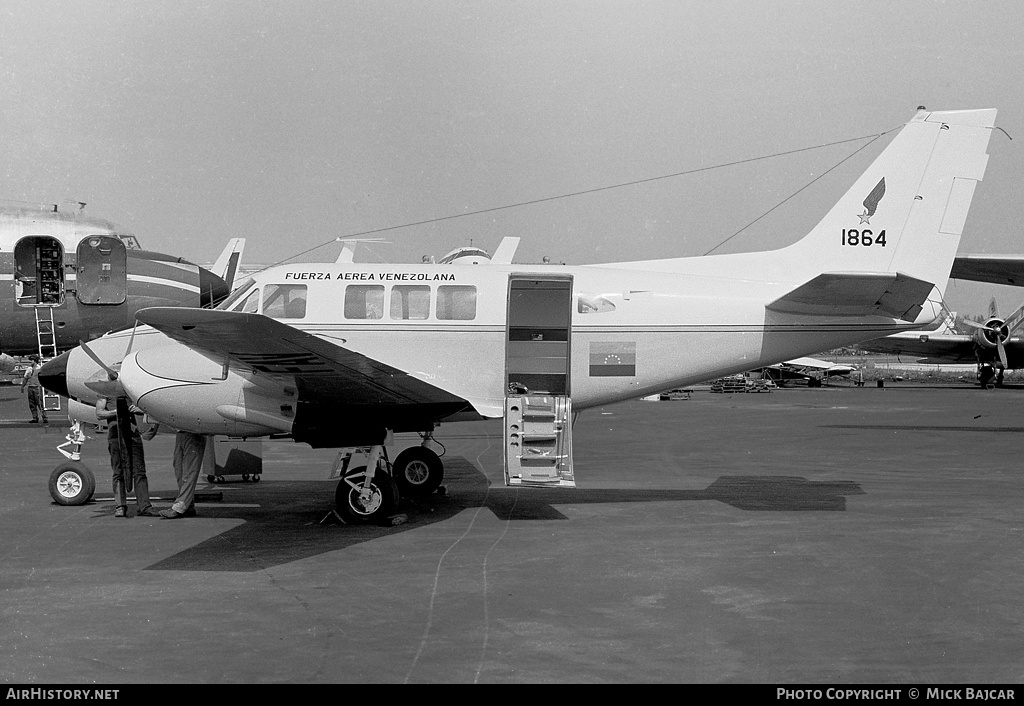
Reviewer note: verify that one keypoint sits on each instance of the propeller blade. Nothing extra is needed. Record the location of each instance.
(974, 324)
(124, 438)
(96, 359)
(1002, 355)
(101, 384)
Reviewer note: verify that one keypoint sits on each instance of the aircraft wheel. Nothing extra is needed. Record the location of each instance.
(245, 477)
(256, 479)
(72, 483)
(211, 479)
(381, 503)
(418, 471)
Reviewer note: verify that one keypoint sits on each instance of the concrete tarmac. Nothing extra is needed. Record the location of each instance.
(832, 536)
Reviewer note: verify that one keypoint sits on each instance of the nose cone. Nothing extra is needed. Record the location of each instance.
(54, 375)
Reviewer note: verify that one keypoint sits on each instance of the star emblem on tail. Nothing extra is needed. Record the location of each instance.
(871, 202)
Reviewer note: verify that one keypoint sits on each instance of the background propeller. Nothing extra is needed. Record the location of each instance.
(997, 331)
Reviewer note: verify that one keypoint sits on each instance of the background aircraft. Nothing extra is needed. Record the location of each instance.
(812, 371)
(66, 277)
(992, 347)
(342, 354)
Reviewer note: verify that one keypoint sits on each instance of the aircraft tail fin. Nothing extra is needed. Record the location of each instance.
(226, 266)
(348, 248)
(906, 212)
(506, 251)
(348, 253)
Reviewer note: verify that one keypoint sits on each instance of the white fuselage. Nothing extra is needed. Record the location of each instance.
(675, 329)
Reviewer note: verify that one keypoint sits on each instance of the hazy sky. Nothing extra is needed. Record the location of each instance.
(290, 123)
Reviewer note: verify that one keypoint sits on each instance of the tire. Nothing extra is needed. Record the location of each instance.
(418, 472)
(71, 483)
(383, 497)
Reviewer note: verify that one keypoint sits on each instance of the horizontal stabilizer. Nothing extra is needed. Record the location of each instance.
(895, 295)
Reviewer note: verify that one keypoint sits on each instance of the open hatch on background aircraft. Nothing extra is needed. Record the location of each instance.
(67, 277)
(343, 354)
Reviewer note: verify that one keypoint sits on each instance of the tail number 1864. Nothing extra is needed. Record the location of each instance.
(853, 236)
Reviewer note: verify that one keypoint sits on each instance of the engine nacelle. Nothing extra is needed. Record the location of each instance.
(190, 391)
(84, 413)
(994, 333)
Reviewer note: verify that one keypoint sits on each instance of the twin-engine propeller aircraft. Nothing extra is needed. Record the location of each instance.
(342, 354)
(993, 347)
(67, 277)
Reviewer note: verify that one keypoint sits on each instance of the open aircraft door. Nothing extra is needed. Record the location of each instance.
(39, 271)
(102, 270)
(538, 406)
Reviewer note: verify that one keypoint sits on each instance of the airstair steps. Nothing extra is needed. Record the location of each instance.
(538, 441)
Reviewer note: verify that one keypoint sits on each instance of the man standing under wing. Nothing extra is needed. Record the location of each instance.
(189, 451)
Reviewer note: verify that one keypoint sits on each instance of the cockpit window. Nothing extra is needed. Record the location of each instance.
(284, 301)
(240, 292)
(251, 304)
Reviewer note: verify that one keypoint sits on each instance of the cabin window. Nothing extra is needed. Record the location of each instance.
(364, 301)
(593, 304)
(410, 301)
(456, 302)
(284, 301)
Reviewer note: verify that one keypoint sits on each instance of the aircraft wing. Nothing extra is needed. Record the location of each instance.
(812, 363)
(997, 269)
(891, 294)
(324, 372)
(817, 364)
(936, 348)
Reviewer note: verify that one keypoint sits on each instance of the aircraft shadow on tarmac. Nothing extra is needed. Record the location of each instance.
(286, 526)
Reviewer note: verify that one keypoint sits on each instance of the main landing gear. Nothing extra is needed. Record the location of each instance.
(365, 496)
(990, 376)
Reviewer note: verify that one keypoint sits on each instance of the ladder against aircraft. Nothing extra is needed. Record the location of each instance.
(47, 339)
